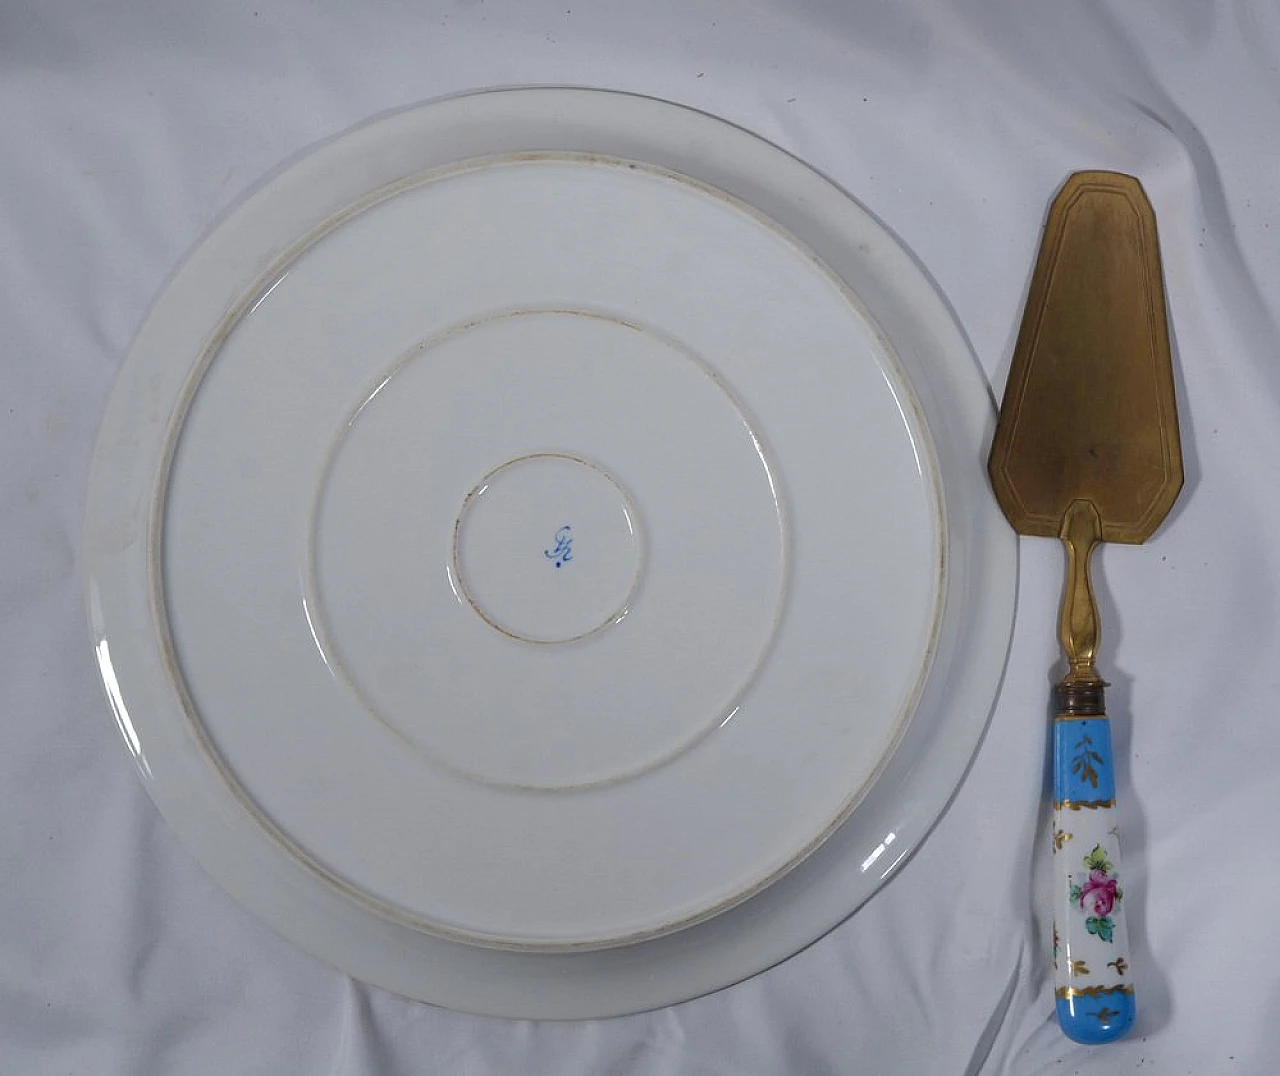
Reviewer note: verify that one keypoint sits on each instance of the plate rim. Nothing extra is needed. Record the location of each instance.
(114, 563)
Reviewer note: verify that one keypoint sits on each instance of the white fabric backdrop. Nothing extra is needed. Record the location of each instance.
(126, 128)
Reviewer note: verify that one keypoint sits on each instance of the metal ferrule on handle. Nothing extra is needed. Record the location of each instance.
(1093, 988)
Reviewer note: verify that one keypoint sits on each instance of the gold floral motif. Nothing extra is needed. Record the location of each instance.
(1086, 761)
(1060, 837)
(1120, 964)
(1078, 967)
(1076, 805)
(1104, 1014)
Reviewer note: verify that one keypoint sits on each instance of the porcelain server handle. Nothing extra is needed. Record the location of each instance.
(1092, 976)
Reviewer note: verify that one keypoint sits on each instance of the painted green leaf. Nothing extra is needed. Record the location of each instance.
(1075, 894)
(1097, 860)
(1101, 926)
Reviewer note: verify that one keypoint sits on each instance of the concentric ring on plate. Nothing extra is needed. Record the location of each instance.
(312, 508)
(547, 549)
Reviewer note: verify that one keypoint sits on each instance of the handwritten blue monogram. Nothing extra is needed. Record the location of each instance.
(563, 550)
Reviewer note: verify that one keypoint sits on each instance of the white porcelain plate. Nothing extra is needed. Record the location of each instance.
(538, 554)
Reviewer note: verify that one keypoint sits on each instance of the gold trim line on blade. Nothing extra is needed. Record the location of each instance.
(1068, 992)
(1076, 805)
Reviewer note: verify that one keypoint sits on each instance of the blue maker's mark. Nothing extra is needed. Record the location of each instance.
(563, 550)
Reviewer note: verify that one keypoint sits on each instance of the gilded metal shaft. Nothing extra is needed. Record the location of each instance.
(1078, 629)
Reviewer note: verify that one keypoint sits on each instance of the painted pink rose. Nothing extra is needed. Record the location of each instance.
(1098, 893)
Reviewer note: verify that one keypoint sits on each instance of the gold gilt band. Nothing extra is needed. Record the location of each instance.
(1078, 805)
(1065, 992)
